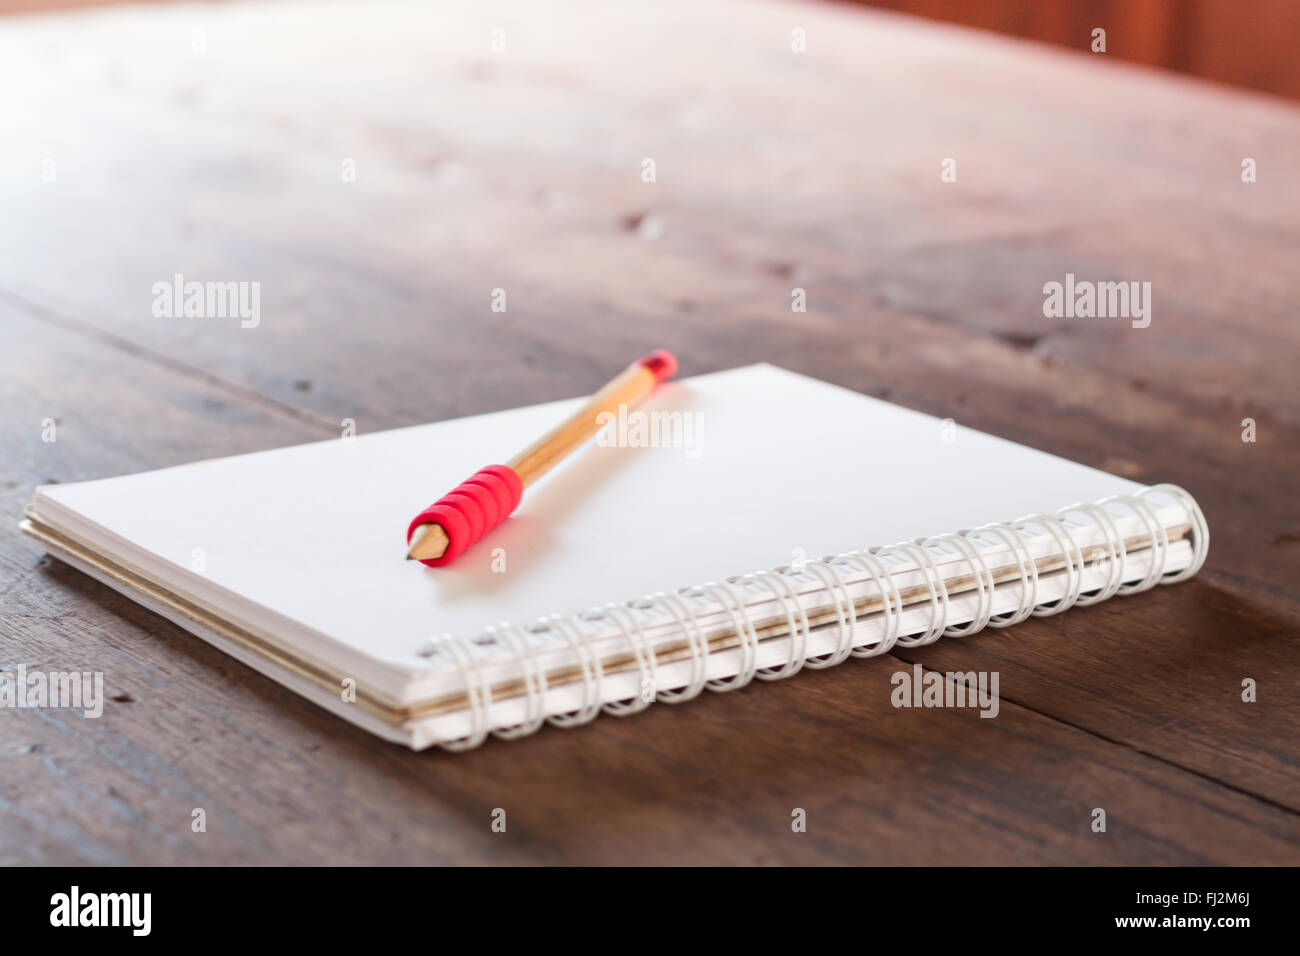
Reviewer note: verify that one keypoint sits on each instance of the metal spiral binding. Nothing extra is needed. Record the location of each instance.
(524, 645)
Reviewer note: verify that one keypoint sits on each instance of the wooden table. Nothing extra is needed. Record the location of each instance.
(215, 141)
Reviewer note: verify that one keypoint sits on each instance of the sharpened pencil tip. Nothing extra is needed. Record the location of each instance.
(429, 543)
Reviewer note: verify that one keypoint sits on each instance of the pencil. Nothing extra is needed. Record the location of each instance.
(441, 532)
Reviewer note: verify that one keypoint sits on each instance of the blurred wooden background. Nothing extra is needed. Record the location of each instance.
(1248, 44)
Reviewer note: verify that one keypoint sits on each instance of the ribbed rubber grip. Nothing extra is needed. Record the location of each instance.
(472, 509)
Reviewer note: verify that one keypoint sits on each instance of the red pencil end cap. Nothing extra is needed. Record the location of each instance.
(662, 363)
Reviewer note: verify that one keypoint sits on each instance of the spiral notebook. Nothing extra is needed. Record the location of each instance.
(715, 537)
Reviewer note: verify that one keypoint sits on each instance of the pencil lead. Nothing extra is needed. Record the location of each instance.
(429, 543)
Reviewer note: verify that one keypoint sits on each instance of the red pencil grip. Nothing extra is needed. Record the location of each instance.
(472, 509)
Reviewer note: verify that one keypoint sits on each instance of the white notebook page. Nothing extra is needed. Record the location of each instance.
(307, 543)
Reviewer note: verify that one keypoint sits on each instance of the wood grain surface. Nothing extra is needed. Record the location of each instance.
(213, 141)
